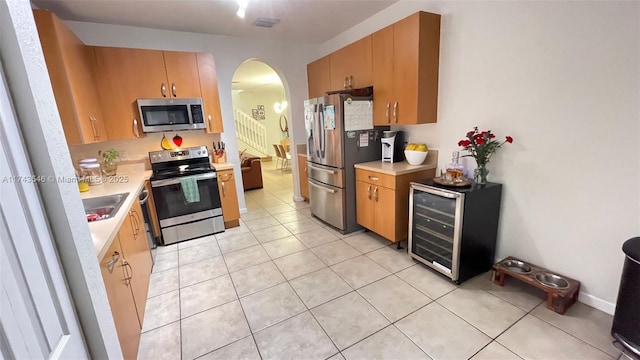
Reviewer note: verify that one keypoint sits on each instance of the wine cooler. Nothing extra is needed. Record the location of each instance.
(453, 229)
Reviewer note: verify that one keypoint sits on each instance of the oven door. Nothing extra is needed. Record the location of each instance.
(172, 207)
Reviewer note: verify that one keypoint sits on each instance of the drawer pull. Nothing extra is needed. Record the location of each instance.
(369, 192)
(163, 90)
(332, 172)
(331, 191)
(375, 194)
(224, 190)
(373, 178)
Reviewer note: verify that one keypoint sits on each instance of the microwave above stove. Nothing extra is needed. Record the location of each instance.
(159, 115)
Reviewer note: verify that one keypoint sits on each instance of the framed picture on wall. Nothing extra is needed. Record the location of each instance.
(254, 113)
(261, 115)
(261, 107)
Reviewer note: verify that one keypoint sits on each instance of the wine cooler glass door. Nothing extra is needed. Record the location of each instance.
(434, 237)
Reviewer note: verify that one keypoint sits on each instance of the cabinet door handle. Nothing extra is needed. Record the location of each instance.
(209, 119)
(173, 89)
(350, 81)
(373, 178)
(224, 190)
(387, 114)
(369, 192)
(95, 121)
(93, 128)
(375, 194)
(395, 112)
(163, 90)
(114, 259)
(136, 132)
(138, 222)
(132, 221)
(344, 83)
(127, 279)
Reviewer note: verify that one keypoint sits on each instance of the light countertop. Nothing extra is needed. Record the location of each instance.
(400, 168)
(104, 231)
(222, 166)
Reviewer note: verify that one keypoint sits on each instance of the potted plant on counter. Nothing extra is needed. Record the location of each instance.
(110, 165)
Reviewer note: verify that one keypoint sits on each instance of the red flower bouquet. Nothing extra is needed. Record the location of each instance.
(482, 145)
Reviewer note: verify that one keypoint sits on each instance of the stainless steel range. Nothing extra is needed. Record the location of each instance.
(185, 191)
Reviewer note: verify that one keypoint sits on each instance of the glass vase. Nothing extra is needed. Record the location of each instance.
(480, 174)
(109, 168)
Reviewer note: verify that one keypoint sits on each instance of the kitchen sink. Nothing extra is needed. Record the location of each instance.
(103, 207)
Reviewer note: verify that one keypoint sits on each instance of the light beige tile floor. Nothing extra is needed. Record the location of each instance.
(285, 286)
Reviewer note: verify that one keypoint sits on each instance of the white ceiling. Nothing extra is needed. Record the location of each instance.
(313, 21)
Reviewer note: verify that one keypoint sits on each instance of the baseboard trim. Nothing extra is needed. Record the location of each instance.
(597, 303)
(243, 211)
(298, 198)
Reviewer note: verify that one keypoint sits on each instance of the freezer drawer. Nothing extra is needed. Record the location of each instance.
(327, 203)
(326, 174)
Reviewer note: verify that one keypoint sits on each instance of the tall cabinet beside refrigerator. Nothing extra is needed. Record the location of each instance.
(340, 133)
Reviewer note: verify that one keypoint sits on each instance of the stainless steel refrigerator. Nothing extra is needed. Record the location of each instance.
(340, 133)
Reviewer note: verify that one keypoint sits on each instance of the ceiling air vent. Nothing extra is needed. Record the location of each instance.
(265, 22)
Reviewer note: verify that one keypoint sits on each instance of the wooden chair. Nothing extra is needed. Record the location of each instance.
(279, 156)
(286, 157)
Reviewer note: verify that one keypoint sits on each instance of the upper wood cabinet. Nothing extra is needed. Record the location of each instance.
(125, 76)
(130, 74)
(209, 90)
(405, 71)
(71, 68)
(318, 77)
(351, 67)
(182, 74)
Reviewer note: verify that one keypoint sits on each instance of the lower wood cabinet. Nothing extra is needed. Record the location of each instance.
(229, 198)
(382, 201)
(123, 307)
(126, 269)
(303, 174)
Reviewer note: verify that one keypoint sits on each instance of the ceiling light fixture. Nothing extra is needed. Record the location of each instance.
(242, 8)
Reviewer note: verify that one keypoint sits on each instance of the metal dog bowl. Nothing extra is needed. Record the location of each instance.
(517, 266)
(552, 280)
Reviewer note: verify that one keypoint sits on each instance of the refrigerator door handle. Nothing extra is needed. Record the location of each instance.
(332, 172)
(316, 132)
(322, 131)
(331, 191)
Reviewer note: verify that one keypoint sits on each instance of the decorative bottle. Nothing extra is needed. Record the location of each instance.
(455, 170)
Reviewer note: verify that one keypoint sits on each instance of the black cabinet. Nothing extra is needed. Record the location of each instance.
(454, 230)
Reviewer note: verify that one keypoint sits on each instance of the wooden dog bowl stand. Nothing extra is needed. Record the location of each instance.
(558, 300)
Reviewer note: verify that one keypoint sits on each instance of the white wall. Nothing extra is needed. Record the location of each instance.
(30, 87)
(562, 78)
(247, 100)
(288, 59)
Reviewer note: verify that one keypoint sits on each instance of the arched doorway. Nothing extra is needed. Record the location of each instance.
(261, 116)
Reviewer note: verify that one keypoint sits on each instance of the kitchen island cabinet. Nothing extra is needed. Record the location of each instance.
(382, 195)
(229, 198)
(209, 92)
(405, 71)
(71, 67)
